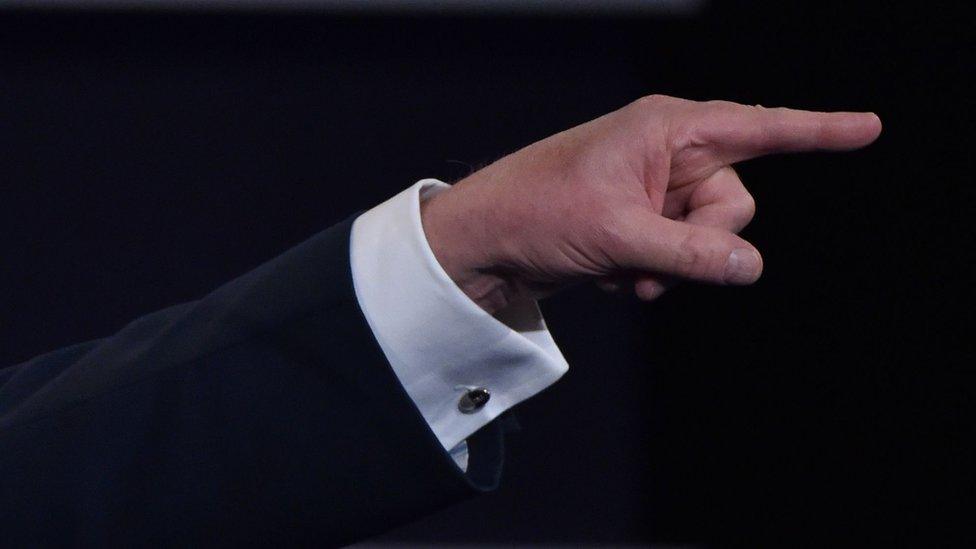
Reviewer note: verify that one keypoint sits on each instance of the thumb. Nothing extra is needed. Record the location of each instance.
(693, 252)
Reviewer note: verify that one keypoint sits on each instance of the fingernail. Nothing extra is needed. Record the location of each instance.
(743, 266)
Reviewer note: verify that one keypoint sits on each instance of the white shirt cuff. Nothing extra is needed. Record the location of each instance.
(438, 341)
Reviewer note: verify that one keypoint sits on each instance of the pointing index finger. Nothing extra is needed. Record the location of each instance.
(740, 132)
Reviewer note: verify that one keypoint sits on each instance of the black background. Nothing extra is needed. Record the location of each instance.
(146, 158)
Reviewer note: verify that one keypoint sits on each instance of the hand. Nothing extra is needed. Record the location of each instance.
(644, 194)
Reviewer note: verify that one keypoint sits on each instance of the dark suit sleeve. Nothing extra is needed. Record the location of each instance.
(264, 413)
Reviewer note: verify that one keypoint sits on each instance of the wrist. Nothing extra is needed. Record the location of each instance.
(460, 236)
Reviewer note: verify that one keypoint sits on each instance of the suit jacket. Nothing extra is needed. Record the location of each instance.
(264, 413)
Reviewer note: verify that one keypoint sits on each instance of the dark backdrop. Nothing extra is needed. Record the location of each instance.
(145, 158)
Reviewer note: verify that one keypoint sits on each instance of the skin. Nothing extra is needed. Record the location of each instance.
(639, 198)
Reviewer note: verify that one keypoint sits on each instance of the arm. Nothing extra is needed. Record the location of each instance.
(268, 411)
(263, 413)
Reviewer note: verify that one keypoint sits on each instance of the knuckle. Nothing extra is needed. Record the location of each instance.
(700, 256)
(721, 105)
(691, 260)
(744, 209)
(654, 101)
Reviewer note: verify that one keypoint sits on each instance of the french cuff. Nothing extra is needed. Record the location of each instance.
(445, 349)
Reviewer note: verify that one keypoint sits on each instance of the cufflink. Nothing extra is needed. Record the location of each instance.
(473, 400)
